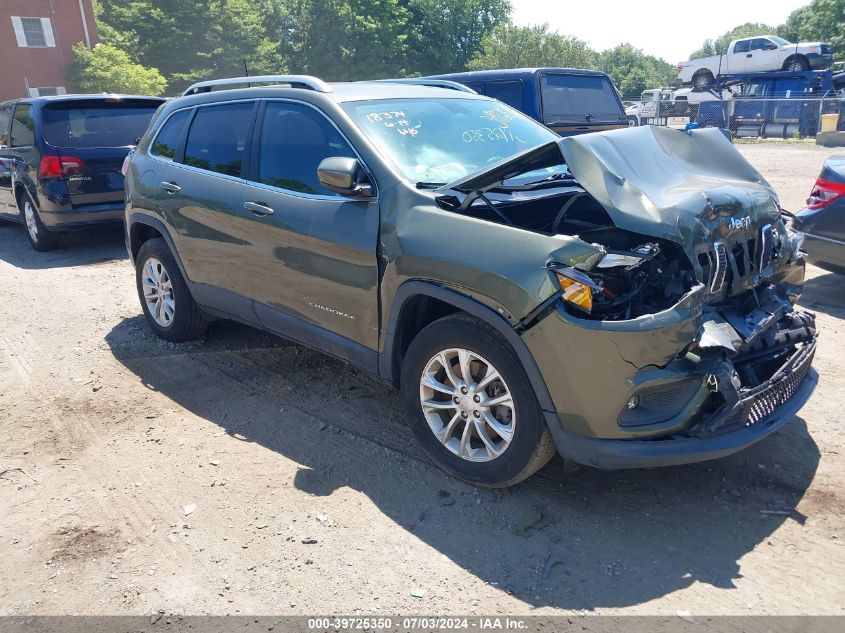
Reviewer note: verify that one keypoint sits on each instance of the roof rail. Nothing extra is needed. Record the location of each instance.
(295, 81)
(432, 83)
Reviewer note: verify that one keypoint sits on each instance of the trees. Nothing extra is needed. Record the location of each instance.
(108, 69)
(348, 39)
(633, 71)
(719, 45)
(821, 20)
(509, 46)
(444, 35)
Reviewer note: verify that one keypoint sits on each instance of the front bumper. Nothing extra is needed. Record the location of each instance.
(755, 416)
(617, 454)
(698, 395)
(819, 61)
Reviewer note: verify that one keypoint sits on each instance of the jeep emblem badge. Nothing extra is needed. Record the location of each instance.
(740, 223)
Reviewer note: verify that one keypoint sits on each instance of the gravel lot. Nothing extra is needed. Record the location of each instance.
(245, 474)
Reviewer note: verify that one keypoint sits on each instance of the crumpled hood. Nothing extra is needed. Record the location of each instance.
(686, 187)
(680, 186)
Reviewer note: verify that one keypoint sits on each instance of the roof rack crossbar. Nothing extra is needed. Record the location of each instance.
(296, 81)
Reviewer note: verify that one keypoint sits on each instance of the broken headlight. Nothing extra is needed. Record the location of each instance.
(625, 284)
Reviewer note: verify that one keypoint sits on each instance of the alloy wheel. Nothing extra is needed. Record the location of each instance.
(158, 292)
(468, 405)
(31, 222)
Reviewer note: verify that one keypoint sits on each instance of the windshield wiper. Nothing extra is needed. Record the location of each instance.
(554, 177)
(429, 185)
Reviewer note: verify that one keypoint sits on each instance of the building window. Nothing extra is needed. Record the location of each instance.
(33, 32)
(47, 92)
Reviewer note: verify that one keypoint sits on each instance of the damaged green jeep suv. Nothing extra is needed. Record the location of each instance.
(624, 297)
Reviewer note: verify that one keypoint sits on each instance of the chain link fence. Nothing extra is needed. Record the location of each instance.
(747, 117)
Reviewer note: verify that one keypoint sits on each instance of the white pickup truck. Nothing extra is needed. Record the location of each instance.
(764, 53)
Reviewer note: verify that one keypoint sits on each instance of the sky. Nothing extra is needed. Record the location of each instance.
(675, 30)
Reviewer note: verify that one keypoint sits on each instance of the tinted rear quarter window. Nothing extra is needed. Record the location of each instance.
(88, 125)
(573, 97)
(167, 140)
(509, 92)
(217, 138)
(23, 127)
(742, 47)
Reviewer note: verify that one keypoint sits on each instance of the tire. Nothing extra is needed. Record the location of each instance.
(524, 445)
(171, 311)
(797, 65)
(702, 82)
(40, 237)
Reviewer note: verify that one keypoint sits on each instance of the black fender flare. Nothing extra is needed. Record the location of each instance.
(136, 217)
(469, 305)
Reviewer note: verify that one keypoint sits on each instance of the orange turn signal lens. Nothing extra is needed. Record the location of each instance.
(575, 292)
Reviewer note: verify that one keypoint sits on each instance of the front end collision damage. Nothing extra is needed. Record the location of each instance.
(716, 357)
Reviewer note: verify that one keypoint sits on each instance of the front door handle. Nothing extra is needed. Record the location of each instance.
(749, 55)
(171, 187)
(258, 208)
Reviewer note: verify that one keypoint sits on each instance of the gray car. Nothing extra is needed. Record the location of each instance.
(625, 298)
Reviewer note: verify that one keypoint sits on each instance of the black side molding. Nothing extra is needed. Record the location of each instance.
(414, 288)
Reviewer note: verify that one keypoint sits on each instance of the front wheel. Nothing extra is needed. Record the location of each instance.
(167, 303)
(797, 65)
(471, 405)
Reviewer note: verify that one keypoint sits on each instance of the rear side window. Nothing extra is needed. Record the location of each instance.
(509, 92)
(167, 140)
(5, 115)
(23, 127)
(217, 138)
(294, 139)
(86, 125)
(574, 97)
(742, 47)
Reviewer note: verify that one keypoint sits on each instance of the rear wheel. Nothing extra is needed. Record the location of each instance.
(167, 303)
(471, 406)
(702, 81)
(40, 238)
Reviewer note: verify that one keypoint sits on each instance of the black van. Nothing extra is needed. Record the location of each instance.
(61, 159)
(566, 100)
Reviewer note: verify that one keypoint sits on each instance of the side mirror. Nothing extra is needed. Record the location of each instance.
(771, 46)
(340, 174)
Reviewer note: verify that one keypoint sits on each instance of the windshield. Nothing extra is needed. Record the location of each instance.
(436, 141)
(87, 125)
(578, 98)
(779, 40)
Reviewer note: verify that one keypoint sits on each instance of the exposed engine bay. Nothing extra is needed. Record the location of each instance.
(691, 213)
(636, 275)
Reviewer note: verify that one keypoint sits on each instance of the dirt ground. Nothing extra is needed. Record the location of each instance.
(245, 474)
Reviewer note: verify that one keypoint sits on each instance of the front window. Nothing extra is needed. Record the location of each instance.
(436, 141)
(779, 40)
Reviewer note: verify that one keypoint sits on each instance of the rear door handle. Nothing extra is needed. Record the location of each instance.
(258, 208)
(171, 187)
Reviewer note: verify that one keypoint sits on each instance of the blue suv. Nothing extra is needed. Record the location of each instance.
(566, 100)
